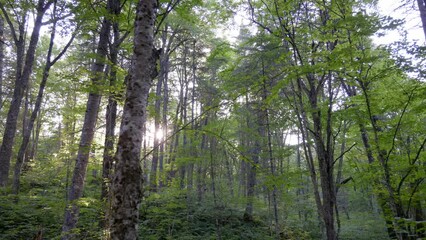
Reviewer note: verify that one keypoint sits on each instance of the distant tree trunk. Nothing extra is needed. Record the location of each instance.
(160, 117)
(201, 170)
(21, 83)
(242, 186)
(213, 149)
(422, 9)
(30, 125)
(174, 143)
(88, 130)
(183, 111)
(36, 137)
(263, 120)
(163, 148)
(157, 118)
(164, 74)
(193, 151)
(127, 182)
(253, 149)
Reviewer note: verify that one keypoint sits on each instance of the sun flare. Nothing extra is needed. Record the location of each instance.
(159, 134)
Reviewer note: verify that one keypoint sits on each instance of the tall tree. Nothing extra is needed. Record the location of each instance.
(111, 110)
(127, 182)
(23, 73)
(30, 125)
(92, 107)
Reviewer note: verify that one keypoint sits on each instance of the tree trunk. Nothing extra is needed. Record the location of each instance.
(155, 150)
(126, 186)
(30, 125)
(21, 84)
(164, 73)
(422, 9)
(253, 150)
(201, 169)
(88, 130)
(1, 59)
(111, 111)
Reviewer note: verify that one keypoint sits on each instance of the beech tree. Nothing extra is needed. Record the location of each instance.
(127, 181)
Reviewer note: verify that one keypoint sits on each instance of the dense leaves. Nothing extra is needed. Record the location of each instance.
(298, 126)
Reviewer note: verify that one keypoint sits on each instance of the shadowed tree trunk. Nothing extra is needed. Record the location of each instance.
(111, 113)
(1, 59)
(253, 150)
(422, 9)
(127, 182)
(88, 130)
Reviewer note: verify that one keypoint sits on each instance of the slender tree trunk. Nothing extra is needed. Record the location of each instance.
(30, 125)
(183, 111)
(127, 183)
(193, 151)
(155, 150)
(34, 146)
(213, 148)
(110, 118)
(307, 145)
(1, 59)
(88, 130)
(201, 170)
(164, 71)
(422, 9)
(253, 150)
(111, 110)
(339, 172)
(21, 85)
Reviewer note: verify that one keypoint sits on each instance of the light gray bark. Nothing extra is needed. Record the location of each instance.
(127, 182)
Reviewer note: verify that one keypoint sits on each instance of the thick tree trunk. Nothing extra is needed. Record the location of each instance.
(21, 85)
(88, 130)
(127, 182)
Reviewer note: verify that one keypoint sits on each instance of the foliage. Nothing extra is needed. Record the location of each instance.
(170, 215)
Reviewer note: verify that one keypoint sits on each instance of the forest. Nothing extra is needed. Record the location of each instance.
(212, 119)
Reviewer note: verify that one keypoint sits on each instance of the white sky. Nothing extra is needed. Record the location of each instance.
(392, 8)
(412, 21)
